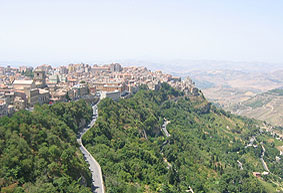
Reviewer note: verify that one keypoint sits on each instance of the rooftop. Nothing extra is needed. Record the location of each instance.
(22, 82)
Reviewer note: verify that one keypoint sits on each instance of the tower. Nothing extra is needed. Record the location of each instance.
(39, 78)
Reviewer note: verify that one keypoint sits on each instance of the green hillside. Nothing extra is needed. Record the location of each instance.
(201, 152)
(278, 91)
(38, 150)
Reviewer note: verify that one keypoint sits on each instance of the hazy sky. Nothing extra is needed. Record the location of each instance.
(64, 31)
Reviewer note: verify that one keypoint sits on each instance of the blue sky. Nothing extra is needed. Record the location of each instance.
(65, 31)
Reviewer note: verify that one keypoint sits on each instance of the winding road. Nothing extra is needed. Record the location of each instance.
(97, 181)
(252, 140)
(164, 129)
(240, 165)
(167, 134)
(262, 160)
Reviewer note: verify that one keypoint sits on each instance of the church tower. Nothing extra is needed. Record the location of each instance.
(39, 78)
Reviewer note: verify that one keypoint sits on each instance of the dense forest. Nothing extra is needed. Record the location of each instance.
(202, 153)
(39, 150)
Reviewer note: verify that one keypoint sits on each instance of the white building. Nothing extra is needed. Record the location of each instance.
(115, 95)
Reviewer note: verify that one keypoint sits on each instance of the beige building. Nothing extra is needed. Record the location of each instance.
(58, 96)
(39, 78)
(113, 95)
(19, 103)
(33, 94)
(43, 97)
(22, 84)
(115, 67)
(110, 87)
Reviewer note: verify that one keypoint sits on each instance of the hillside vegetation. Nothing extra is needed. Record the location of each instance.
(202, 152)
(38, 150)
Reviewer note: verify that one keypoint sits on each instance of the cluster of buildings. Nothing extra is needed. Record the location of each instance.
(23, 87)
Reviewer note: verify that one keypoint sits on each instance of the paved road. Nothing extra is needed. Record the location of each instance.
(190, 190)
(167, 134)
(262, 160)
(97, 181)
(164, 128)
(240, 165)
(252, 140)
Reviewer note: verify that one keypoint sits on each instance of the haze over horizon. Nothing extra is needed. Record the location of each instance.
(62, 32)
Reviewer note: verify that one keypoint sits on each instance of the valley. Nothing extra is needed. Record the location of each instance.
(267, 106)
(252, 94)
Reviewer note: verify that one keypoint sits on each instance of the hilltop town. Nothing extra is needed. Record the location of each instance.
(23, 87)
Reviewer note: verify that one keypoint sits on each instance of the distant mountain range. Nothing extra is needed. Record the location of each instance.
(174, 66)
(185, 67)
(244, 92)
